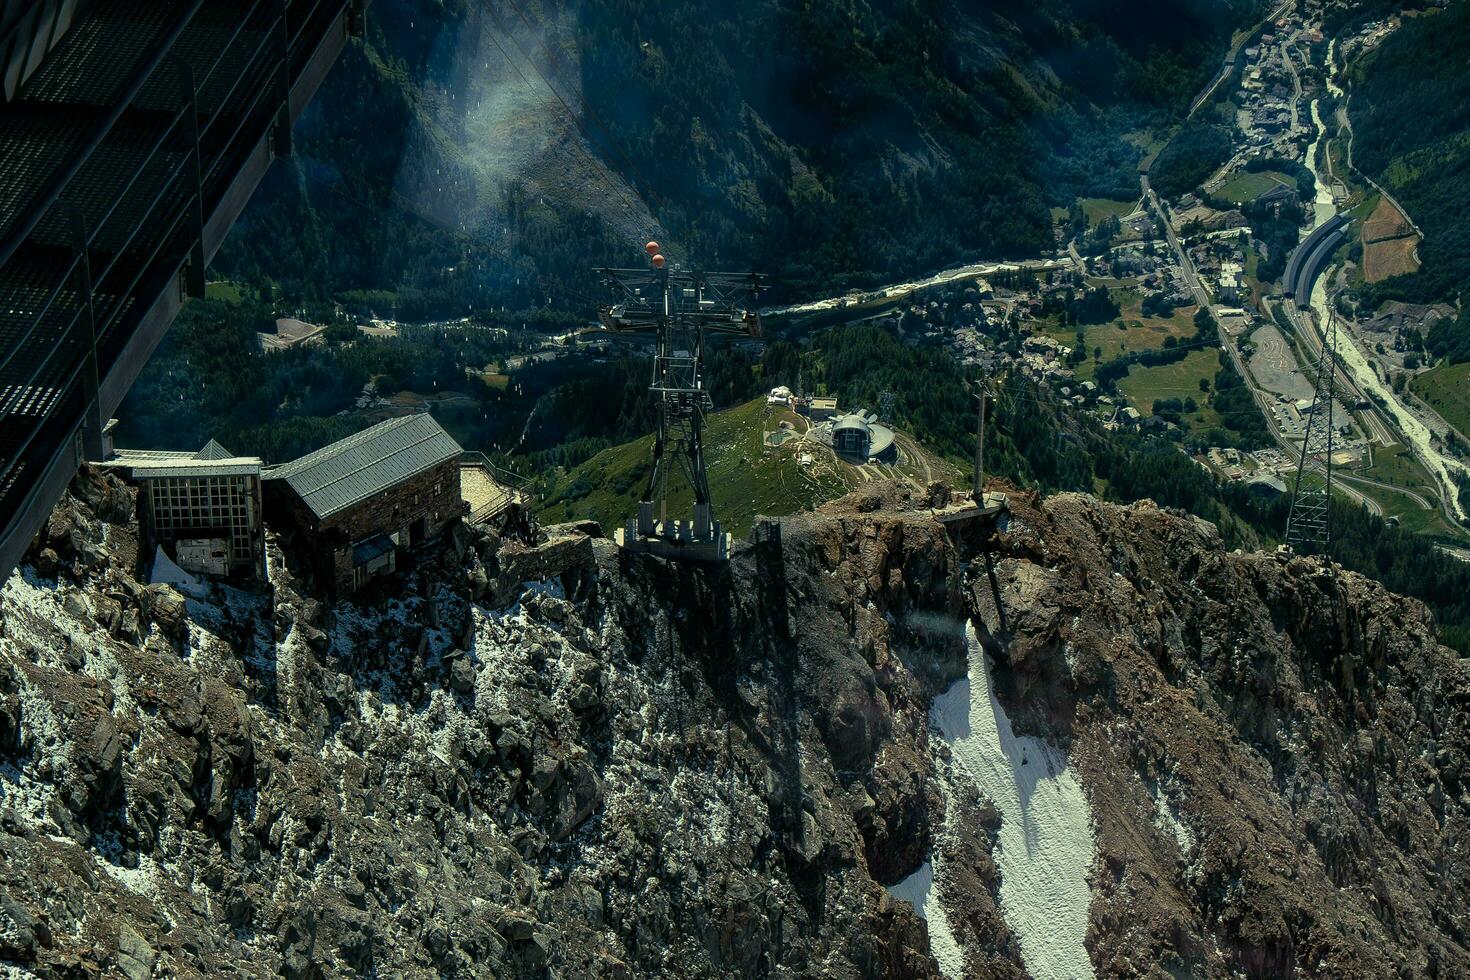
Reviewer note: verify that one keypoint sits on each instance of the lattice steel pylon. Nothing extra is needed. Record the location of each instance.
(1309, 526)
(680, 308)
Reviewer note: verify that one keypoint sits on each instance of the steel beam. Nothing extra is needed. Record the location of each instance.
(168, 290)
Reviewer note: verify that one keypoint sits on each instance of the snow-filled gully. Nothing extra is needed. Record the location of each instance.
(1045, 844)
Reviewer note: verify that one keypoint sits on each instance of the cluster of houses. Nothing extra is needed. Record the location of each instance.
(352, 509)
(1270, 86)
(292, 331)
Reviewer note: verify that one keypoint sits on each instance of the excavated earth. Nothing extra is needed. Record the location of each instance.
(557, 759)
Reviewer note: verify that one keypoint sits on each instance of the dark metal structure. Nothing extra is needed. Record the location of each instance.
(1308, 259)
(1309, 525)
(133, 132)
(680, 308)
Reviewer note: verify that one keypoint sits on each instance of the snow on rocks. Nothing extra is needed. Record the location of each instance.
(1166, 819)
(1045, 845)
(918, 890)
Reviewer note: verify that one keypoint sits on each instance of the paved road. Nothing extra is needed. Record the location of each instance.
(1345, 119)
(886, 294)
(1296, 88)
(1418, 498)
(1340, 483)
(1229, 61)
(1372, 418)
(1263, 400)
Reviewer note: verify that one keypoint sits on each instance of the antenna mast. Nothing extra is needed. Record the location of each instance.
(679, 308)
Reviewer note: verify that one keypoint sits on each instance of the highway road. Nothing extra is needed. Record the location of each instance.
(1418, 498)
(1342, 484)
(1264, 400)
(857, 299)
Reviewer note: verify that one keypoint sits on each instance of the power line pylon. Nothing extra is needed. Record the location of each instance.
(1309, 525)
(679, 308)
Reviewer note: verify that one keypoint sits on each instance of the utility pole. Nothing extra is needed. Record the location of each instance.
(679, 308)
(1309, 525)
(980, 445)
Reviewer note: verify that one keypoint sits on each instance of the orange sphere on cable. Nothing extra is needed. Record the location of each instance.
(658, 261)
(651, 248)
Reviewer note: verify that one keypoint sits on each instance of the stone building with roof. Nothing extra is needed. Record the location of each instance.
(359, 503)
(202, 509)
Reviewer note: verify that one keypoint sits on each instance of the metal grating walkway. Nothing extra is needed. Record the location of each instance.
(132, 133)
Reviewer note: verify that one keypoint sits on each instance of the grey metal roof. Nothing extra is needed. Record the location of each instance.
(213, 450)
(132, 457)
(353, 469)
(152, 469)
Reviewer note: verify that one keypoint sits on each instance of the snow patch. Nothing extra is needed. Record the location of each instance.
(918, 890)
(167, 572)
(141, 880)
(1166, 819)
(1045, 846)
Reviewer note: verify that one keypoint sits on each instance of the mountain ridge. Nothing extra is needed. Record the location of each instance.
(556, 756)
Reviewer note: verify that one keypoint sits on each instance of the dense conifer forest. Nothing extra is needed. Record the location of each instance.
(1409, 113)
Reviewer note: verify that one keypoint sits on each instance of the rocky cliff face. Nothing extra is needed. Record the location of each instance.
(557, 759)
(1274, 749)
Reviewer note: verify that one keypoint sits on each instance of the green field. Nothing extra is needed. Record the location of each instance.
(1245, 187)
(1132, 331)
(226, 290)
(1445, 388)
(1178, 380)
(1399, 468)
(746, 476)
(1148, 143)
(1098, 208)
(1411, 516)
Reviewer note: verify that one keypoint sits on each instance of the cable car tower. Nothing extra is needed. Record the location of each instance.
(1309, 525)
(679, 308)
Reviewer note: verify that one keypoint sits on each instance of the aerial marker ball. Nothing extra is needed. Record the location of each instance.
(658, 261)
(651, 248)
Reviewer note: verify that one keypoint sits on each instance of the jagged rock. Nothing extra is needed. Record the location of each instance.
(678, 770)
(477, 580)
(436, 940)
(462, 676)
(21, 933)
(135, 957)
(584, 698)
(47, 562)
(166, 607)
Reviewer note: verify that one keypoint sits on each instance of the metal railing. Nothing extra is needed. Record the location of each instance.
(519, 489)
(28, 30)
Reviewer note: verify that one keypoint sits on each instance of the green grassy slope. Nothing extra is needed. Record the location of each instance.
(747, 477)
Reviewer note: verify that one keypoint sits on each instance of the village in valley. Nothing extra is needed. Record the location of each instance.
(1191, 315)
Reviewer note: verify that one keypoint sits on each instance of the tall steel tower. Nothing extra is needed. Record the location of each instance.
(679, 308)
(1309, 526)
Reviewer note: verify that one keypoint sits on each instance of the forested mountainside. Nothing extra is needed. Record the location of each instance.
(1410, 110)
(488, 154)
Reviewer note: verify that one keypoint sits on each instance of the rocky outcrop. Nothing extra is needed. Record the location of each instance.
(1273, 747)
(559, 759)
(549, 758)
